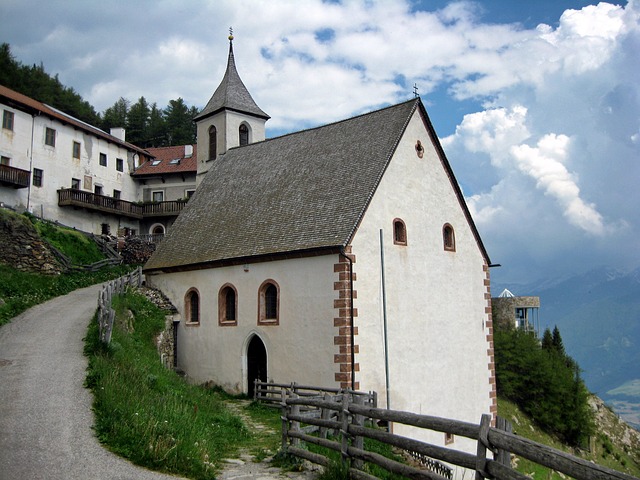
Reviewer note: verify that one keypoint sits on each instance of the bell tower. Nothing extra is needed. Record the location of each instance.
(230, 119)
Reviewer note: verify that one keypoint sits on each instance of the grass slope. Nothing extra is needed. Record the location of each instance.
(147, 413)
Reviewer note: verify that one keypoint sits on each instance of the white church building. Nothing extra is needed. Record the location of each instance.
(326, 255)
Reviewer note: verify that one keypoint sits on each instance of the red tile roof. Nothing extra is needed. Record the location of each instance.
(161, 164)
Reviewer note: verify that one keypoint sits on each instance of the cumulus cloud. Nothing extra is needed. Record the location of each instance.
(551, 134)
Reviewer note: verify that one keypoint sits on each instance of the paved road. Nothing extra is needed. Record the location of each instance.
(45, 412)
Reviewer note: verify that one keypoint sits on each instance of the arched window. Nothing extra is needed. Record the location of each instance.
(192, 306)
(227, 306)
(213, 142)
(244, 135)
(269, 303)
(399, 232)
(449, 238)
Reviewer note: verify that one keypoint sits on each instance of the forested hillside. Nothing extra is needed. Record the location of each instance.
(147, 125)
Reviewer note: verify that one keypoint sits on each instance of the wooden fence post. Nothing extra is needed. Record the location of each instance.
(295, 425)
(483, 444)
(358, 441)
(502, 455)
(283, 416)
(325, 414)
(344, 427)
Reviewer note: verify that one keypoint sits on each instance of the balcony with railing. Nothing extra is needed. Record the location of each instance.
(102, 203)
(14, 177)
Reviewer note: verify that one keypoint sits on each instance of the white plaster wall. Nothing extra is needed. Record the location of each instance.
(435, 299)
(227, 124)
(300, 348)
(59, 167)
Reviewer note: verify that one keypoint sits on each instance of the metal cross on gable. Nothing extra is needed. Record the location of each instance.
(415, 90)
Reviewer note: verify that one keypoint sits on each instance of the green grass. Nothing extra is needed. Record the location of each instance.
(605, 453)
(20, 290)
(147, 413)
(75, 245)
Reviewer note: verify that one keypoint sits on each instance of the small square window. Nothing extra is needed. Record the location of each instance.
(189, 193)
(119, 165)
(50, 137)
(37, 177)
(97, 190)
(7, 120)
(116, 194)
(5, 160)
(103, 159)
(75, 183)
(76, 150)
(157, 196)
(448, 438)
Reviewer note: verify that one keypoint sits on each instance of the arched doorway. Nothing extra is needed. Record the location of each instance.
(256, 363)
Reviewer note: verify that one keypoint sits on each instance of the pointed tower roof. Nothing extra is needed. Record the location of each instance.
(231, 94)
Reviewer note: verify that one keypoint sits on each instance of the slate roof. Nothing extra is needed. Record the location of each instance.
(296, 194)
(165, 156)
(231, 94)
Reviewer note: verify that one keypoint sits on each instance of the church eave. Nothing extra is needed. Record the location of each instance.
(246, 260)
(205, 115)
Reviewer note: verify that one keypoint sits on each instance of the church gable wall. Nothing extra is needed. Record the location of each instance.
(436, 306)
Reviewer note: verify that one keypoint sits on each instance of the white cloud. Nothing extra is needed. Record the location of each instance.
(547, 155)
(544, 163)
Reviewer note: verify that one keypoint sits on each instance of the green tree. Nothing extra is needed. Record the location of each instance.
(180, 126)
(116, 115)
(544, 382)
(157, 131)
(138, 123)
(547, 340)
(558, 345)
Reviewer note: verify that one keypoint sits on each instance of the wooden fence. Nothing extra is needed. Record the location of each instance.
(106, 314)
(355, 421)
(271, 393)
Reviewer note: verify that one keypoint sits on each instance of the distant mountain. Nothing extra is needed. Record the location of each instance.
(598, 314)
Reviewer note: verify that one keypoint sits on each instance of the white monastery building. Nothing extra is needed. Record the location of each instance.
(339, 256)
(60, 168)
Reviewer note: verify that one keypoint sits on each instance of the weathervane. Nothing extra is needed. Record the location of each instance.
(415, 90)
(230, 34)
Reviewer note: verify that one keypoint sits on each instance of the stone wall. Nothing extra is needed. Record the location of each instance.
(22, 247)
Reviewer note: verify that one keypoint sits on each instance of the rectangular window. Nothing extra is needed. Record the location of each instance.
(157, 196)
(97, 190)
(76, 150)
(189, 193)
(50, 137)
(7, 120)
(103, 159)
(37, 177)
(116, 194)
(5, 161)
(119, 165)
(75, 183)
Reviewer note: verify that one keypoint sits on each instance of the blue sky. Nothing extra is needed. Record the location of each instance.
(537, 103)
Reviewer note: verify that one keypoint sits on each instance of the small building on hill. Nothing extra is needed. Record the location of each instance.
(511, 311)
(339, 256)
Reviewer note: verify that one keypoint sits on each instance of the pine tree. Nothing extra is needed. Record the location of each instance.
(179, 123)
(557, 342)
(116, 115)
(138, 123)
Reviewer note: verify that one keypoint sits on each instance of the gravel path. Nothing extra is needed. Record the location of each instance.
(45, 412)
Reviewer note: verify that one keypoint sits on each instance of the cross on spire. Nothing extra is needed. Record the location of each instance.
(415, 90)
(230, 34)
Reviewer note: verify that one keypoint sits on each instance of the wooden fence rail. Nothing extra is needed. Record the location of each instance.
(106, 314)
(351, 421)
